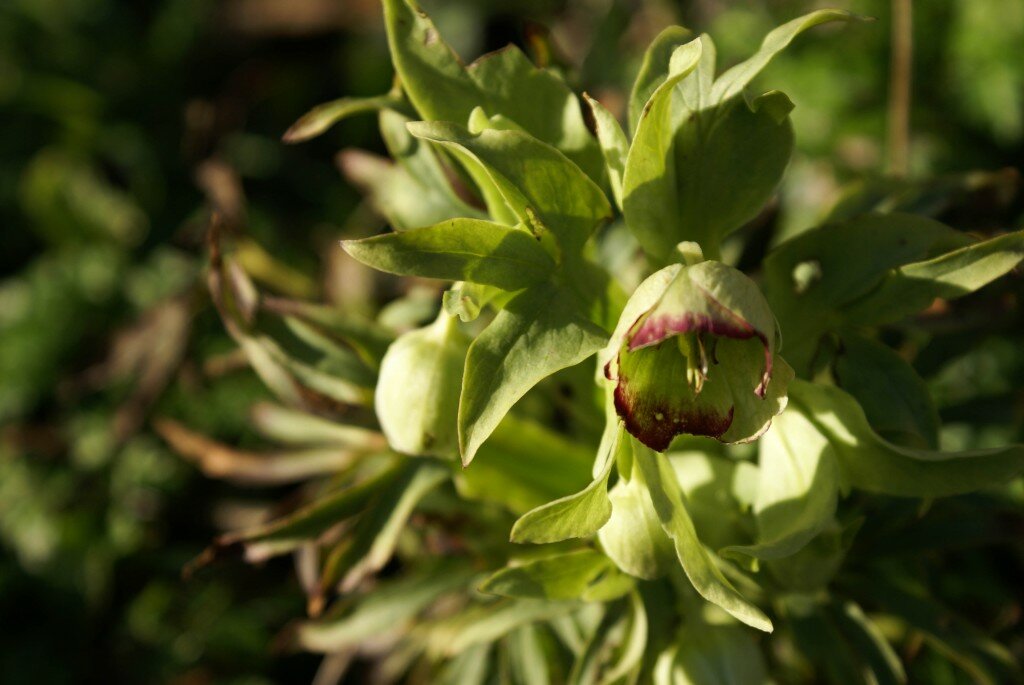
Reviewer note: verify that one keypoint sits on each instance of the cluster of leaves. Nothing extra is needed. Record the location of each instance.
(423, 448)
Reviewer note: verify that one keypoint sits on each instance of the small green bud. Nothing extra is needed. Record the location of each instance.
(417, 396)
(695, 352)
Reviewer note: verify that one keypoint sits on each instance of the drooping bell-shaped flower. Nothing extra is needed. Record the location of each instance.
(695, 352)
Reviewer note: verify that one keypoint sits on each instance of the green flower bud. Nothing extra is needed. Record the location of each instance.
(695, 352)
(417, 396)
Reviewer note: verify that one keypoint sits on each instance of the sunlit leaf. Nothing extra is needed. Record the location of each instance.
(459, 250)
(868, 462)
(538, 333)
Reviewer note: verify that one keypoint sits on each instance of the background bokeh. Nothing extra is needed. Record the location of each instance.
(123, 123)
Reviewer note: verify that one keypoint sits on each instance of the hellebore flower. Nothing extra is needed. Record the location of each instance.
(695, 351)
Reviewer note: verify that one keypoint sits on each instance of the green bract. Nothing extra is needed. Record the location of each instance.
(697, 355)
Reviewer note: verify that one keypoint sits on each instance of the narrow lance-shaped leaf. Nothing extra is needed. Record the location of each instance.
(389, 608)
(868, 462)
(697, 562)
(733, 81)
(312, 520)
(368, 338)
(538, 333)
(912, 287)
(529, 663)
(322, 117)
(479, 625)
(376, 533)
(558, 577)
(218, 460)
(870, 643)
(614, 146)
(616, 647)
(459, 250)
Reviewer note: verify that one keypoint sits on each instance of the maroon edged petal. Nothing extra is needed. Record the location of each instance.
(656, 422)
(649, 330)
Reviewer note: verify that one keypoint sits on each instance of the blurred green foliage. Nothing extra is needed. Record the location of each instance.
(112, 112)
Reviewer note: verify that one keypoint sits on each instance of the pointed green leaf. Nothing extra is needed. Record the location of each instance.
(868, 462)
(294, 427)
(538, 333)
(734, 80)
(895, 399)
(912, 287)
(375, 536)
(528, 660)
(459, 250)
(390, 607)
(614, 146)
(479, 625)
(578, 515)
(312, 520)
(650, 200)
(368, 338)
(870, 644)
(654, 69)
(538, 101)
(563, 576)
(433, 77)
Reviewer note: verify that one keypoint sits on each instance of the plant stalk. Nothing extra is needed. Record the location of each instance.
(900, 80)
